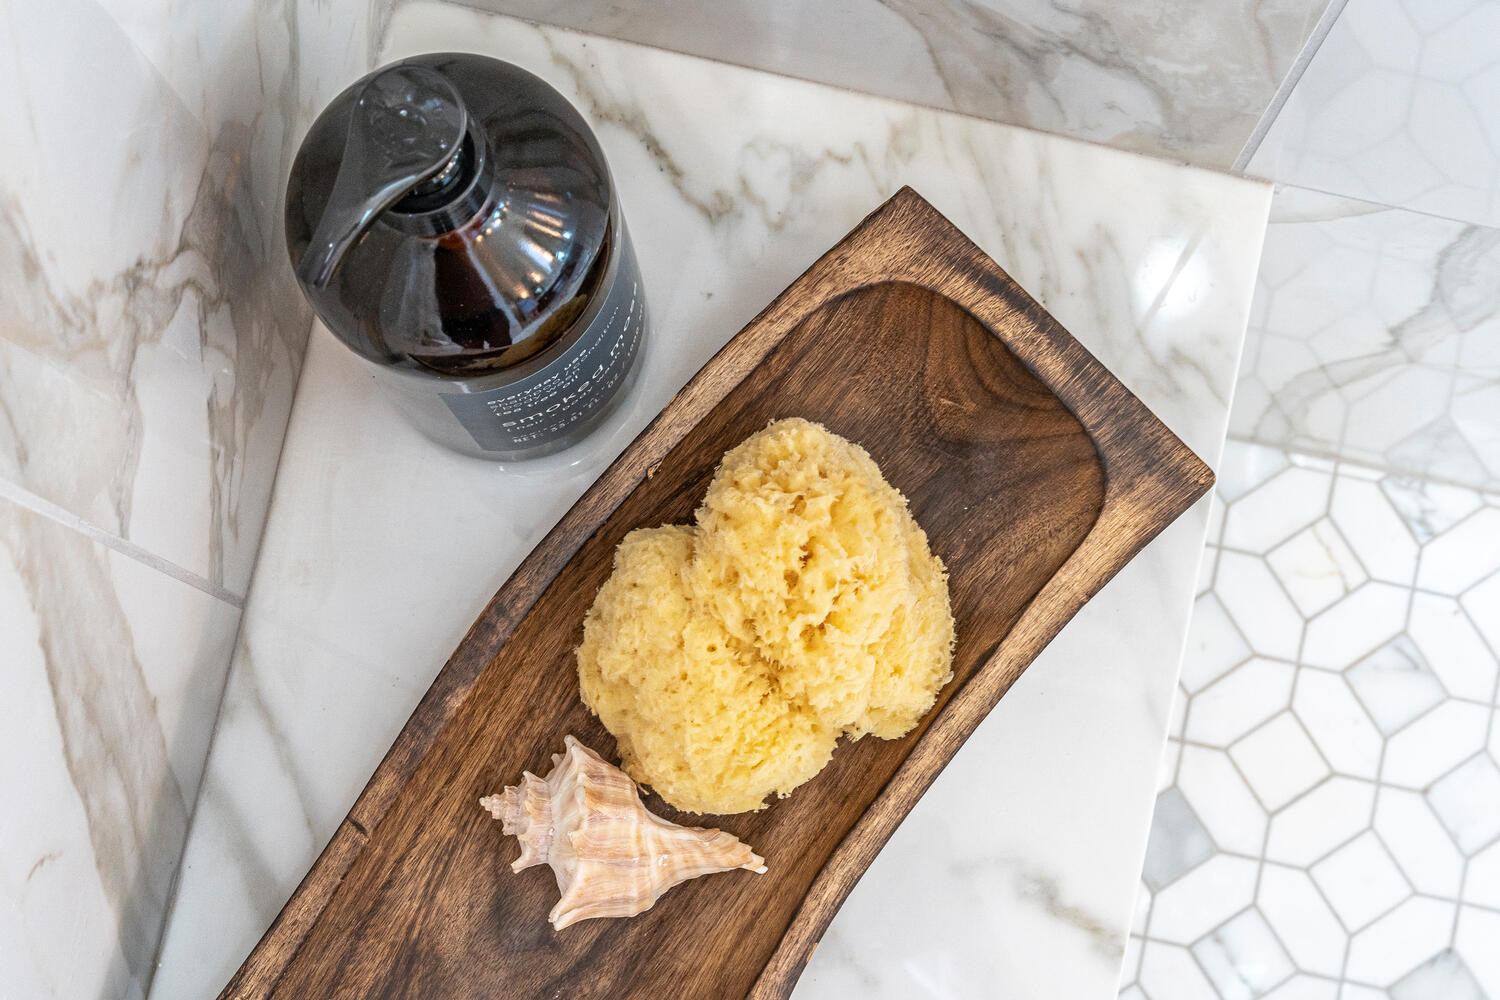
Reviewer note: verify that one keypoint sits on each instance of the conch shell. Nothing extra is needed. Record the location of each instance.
(612, 857)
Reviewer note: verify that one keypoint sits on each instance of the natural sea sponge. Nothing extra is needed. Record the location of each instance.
(729, 656)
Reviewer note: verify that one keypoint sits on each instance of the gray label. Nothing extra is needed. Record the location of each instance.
(549, 403)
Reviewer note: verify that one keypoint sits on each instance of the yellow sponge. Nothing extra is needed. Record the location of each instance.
(728, 657)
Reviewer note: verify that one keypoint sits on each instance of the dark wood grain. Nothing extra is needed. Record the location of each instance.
(1036, 476)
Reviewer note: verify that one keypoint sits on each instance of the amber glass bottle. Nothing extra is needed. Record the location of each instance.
(453, 221)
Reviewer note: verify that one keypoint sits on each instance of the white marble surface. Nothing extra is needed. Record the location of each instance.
(1399, 106)
(1021, 861)
(1172, 78)
(110, 675)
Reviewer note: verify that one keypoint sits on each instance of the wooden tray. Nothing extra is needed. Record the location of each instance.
(1036, 475)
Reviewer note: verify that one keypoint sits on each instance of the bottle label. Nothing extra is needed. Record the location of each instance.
(549, 403)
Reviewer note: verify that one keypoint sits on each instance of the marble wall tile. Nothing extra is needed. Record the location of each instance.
(150, 342)
(337, 42)
(1375, 816)
(1400, 105)
(149, 339)
(150, 329)
(1374, 337)
(1170, 78)
(112, 675)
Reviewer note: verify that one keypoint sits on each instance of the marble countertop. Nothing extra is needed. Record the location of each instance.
(1020, 864)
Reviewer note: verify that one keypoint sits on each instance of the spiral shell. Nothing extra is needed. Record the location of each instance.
(610, 855)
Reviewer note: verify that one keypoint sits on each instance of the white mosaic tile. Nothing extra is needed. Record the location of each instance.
(1361, 881)
(1318, 463)
(1200, 901)
(1444, 976)
(1356, 625)
(1168, 972)
(1483, 607)
(1316, 566)
(1482, 882)
(1337, 722)
(1239, 701)
(1400, 941)
(1258, 605)
(1439, 450)
(1395, 684)
(1301, 987)
(1472, 412)
(1214, 645)
(1467, 801)
(1383, 614)
(1474, 939)
(1320, 821)
(1417, 841)
(1245, 466)
(1177, 843)
(1462, 556)
(1429, 508)
(1276, 510)
(1302, 919)
(1243, 958)
(1221, 800)
(1279, 761)
(1453, 647)
(1375, 531)
(1435, 744)
(1351, 472)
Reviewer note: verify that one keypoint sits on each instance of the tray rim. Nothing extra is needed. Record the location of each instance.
(1151, 478)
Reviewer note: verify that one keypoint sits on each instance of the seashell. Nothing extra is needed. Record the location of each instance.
(611, 856)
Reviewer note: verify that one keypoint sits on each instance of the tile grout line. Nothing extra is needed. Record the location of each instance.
(1289, 82)
(174, 889)
(45, 508)
(1489, 734)
(1383, 581)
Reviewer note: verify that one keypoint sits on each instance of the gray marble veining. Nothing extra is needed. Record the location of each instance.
(113, 745)
(149, 342)
(113, 673)
(1170, 78)
(151, 338)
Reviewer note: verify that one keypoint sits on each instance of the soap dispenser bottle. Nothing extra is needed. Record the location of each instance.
(453, 221)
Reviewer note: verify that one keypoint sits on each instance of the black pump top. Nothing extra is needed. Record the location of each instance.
(406, 137)
(450, 213)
